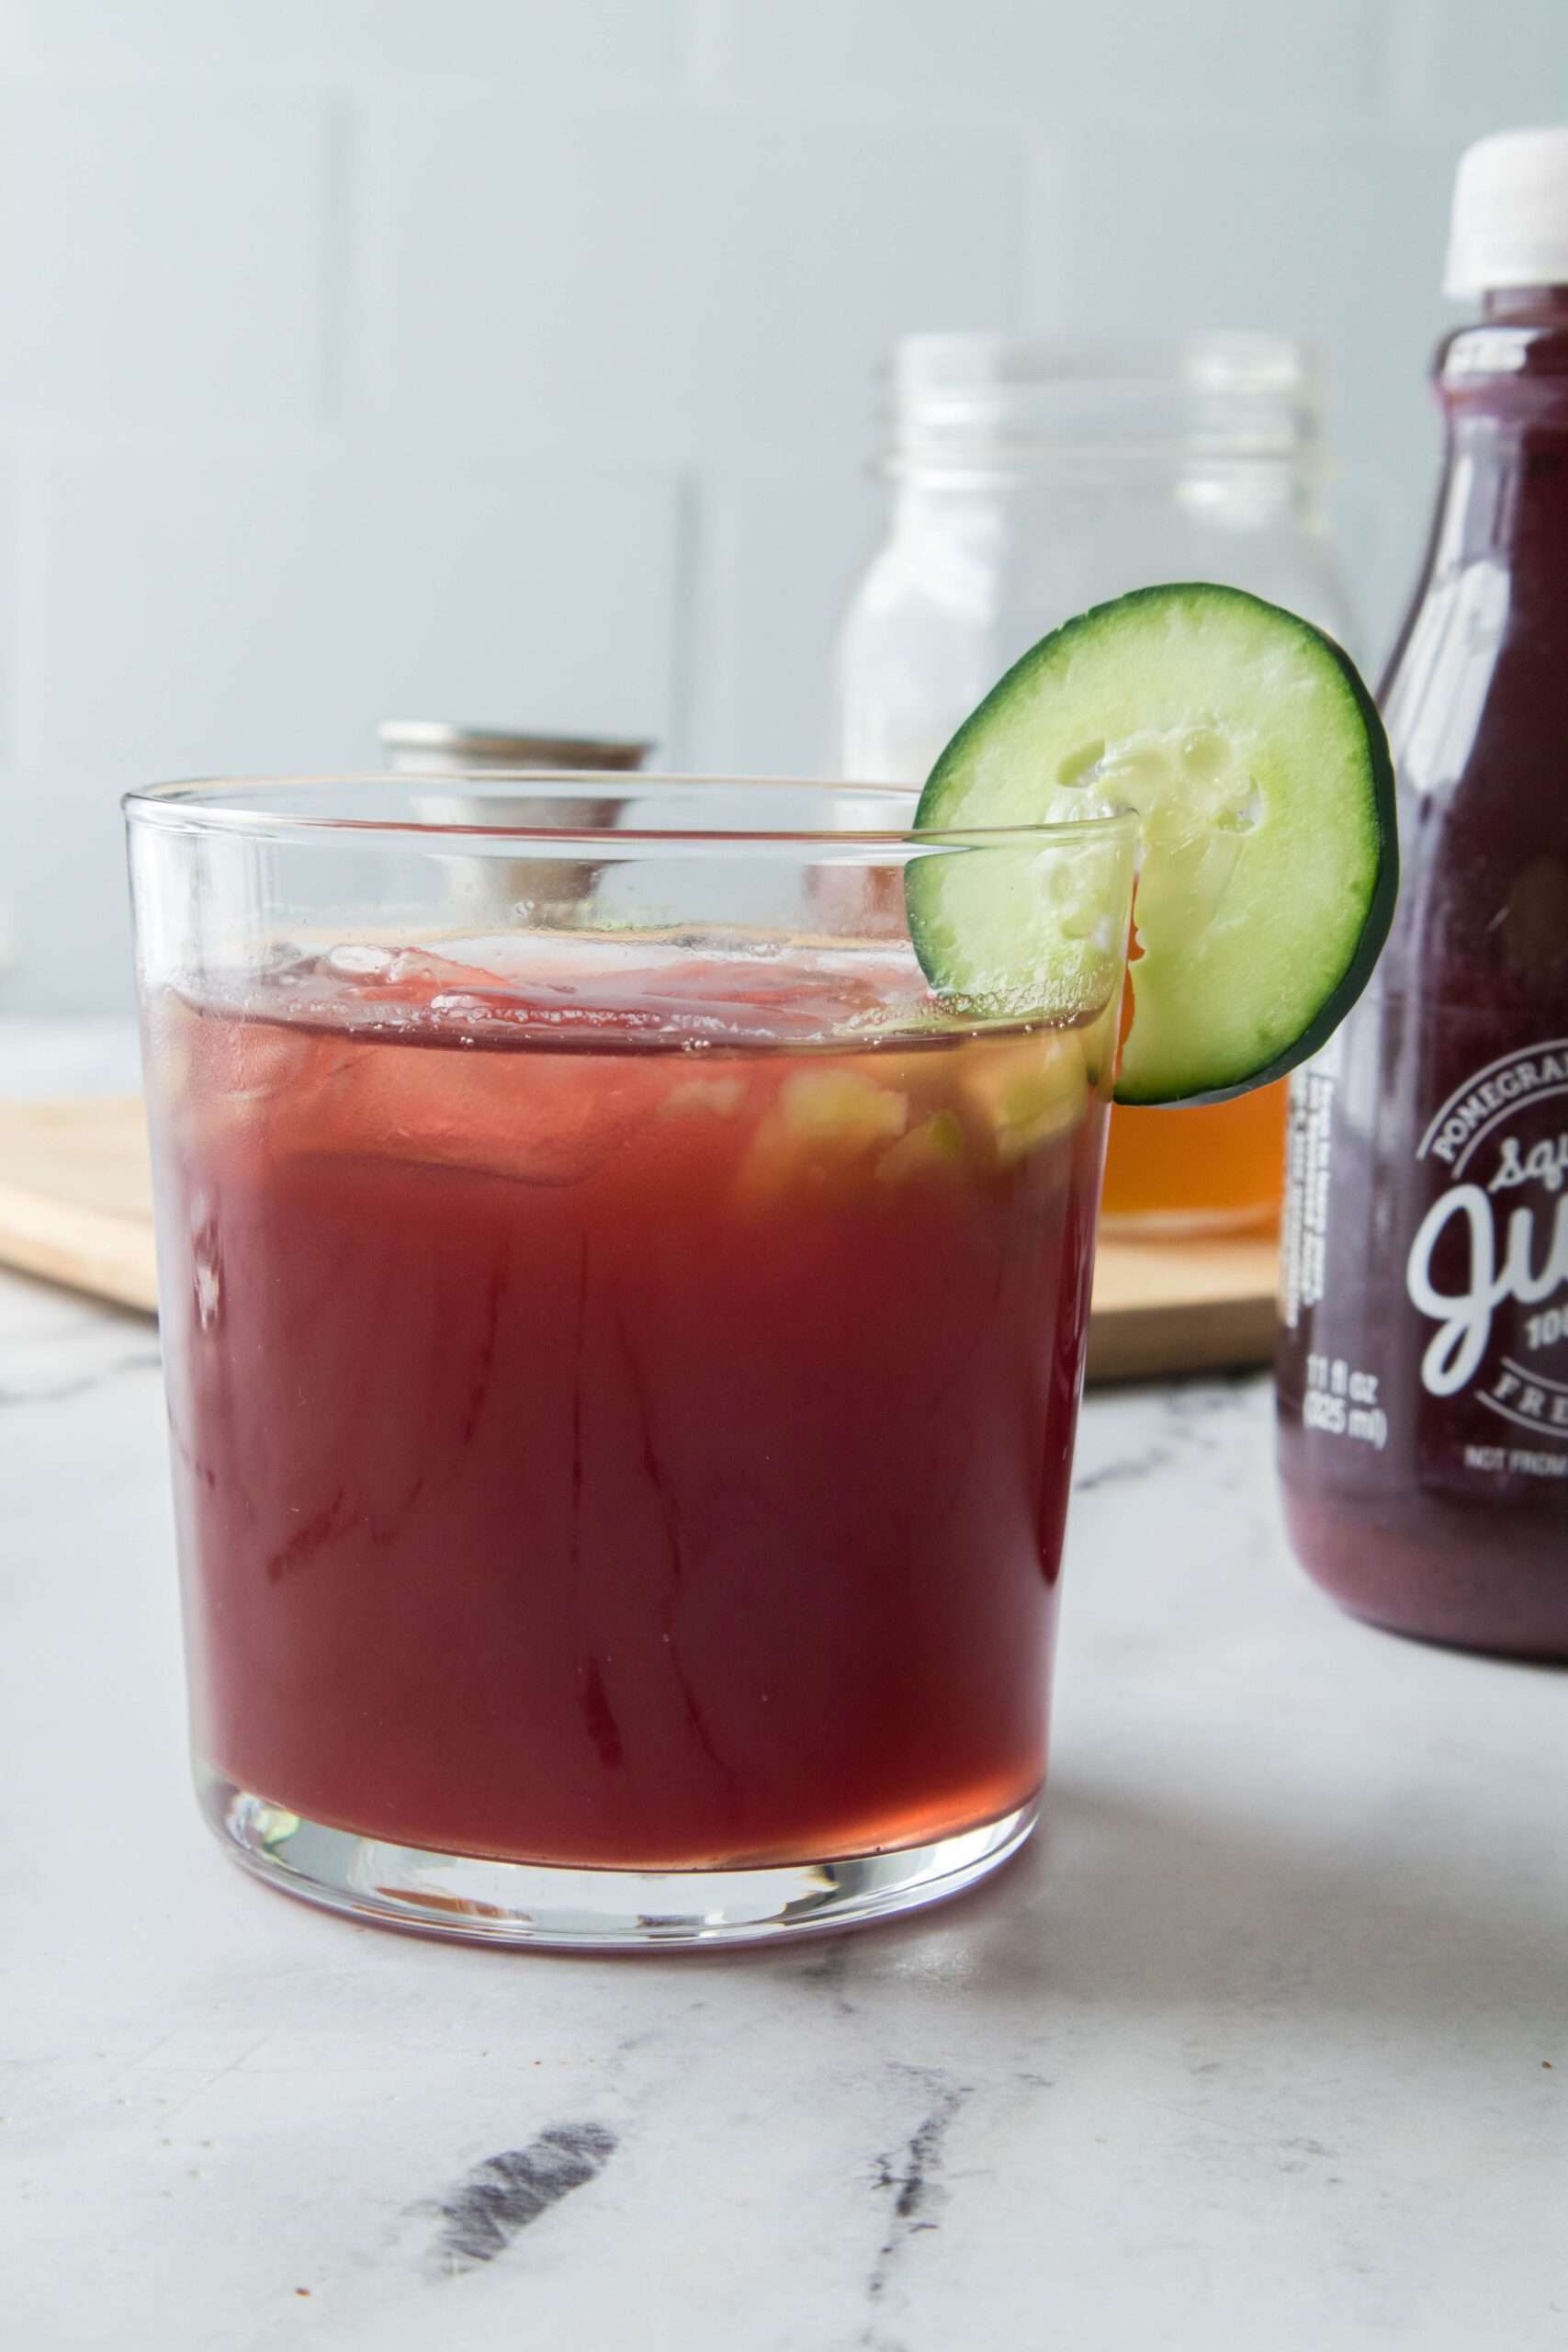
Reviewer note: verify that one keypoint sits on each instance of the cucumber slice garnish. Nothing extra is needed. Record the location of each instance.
(1258, 765)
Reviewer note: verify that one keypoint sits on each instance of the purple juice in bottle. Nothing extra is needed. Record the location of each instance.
(1424, 1358)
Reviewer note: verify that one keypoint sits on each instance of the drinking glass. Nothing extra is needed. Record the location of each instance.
(622, 1344)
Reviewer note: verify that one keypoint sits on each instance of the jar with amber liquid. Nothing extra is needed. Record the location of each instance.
(1030, 480)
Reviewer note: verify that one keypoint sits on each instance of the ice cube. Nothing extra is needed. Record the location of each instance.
(720, 1098)
(821, 1122)
(538, 1118)
(1027, 1092)
(933, 1148)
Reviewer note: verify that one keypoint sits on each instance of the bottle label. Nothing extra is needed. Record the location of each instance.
(1303, 1229)
(1487, 1267)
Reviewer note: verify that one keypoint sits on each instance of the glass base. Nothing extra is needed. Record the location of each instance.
(475, 1900)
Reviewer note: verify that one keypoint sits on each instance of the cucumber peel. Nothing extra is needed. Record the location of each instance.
(1256, 762)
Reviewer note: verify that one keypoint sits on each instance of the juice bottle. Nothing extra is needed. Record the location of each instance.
(1424, 1364)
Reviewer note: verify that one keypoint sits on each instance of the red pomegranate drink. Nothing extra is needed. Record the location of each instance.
(603, 1447)
(622, 1346)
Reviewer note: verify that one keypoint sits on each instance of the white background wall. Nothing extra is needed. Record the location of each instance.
(510, 359)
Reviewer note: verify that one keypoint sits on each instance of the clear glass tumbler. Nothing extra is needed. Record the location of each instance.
(622, 1346)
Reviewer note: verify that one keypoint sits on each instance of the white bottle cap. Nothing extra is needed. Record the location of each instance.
(1510, 215)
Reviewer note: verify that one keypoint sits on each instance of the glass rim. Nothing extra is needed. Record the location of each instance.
(202, 805)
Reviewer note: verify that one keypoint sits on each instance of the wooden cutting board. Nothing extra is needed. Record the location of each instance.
(76, 1206)
(76, 1195)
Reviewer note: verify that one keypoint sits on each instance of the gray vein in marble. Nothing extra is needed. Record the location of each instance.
(912, 2179)
(83, 1384)
(1119, 1473)
(506, 2194)
(1196, 1417)
(827, 1972)
(1200, 1411)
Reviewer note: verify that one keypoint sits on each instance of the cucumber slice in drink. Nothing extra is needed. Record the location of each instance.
(1258, 767)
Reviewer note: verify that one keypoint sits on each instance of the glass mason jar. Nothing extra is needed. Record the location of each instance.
(1031, 480)
(622, 1350)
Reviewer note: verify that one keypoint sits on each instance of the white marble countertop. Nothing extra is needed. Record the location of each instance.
(1263, 2042)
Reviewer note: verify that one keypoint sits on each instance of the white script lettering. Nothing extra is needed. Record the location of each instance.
(1464, 1317)
(1545, 1163)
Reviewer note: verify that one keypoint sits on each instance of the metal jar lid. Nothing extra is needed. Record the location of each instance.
(437, 747)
